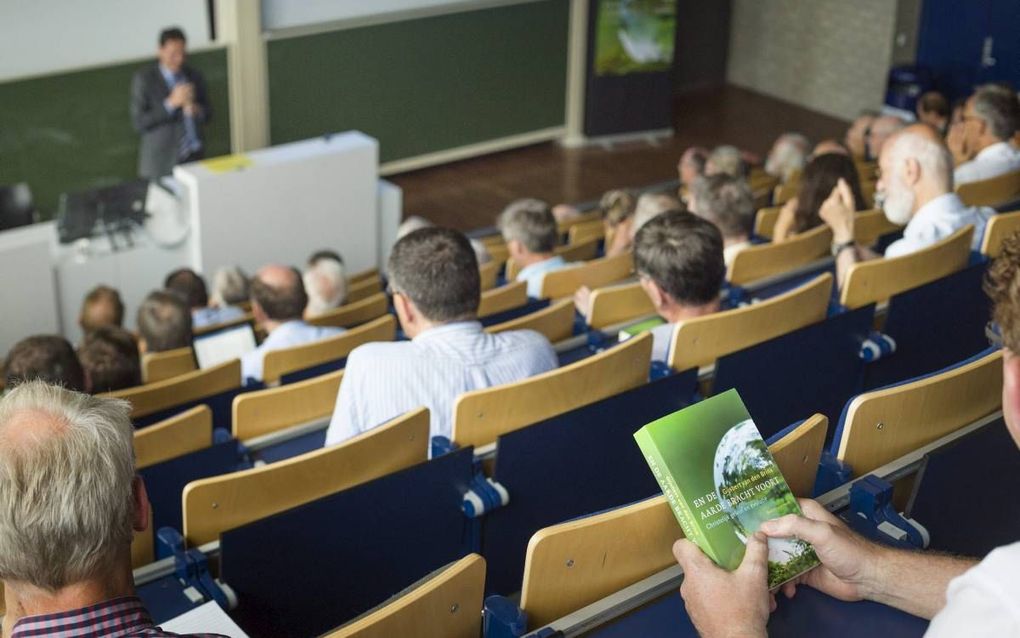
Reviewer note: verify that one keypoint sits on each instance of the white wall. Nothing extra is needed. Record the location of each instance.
(830, 56)
(48, 36)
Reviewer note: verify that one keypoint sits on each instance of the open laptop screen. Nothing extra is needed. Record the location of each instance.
(224, 345)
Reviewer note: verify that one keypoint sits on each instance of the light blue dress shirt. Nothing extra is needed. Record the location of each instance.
(212, 315)
(291, 333)
(535, 273)
(385, 380)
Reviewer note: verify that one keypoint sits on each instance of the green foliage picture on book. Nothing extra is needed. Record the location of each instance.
(722, 483)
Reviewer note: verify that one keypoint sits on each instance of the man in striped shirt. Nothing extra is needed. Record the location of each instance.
(71, 502)
(435, 284)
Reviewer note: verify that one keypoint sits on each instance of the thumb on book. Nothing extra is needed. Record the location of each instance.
(688, 555)
(756, 555)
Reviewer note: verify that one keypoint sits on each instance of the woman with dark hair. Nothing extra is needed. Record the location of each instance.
(820, 176)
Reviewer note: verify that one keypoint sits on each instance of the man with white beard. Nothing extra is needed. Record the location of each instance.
(916, 190)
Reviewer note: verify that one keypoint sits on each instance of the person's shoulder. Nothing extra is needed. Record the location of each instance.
(146, 72)
(192, 72)
(528, 341)
(381, 351)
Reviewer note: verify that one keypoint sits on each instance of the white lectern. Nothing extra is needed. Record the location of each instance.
(279, 204)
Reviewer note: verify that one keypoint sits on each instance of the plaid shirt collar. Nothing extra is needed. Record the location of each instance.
(117, 618)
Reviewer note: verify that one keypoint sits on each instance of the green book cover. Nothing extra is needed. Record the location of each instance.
(638, 328)
(722, 483)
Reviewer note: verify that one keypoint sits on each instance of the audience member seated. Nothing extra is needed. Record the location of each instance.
(109, 357)
(565, 213)
(529, 230)
(857, 135)
(190, 285)
(728, 203)
(651, 205)
(278, 301)
(326, 284)
(679, 261)
(933, 110)
(982, 144)
(726, 159)
(164, 322)
(917, 190)
(881, 129)
(230, 287)
(830, 146)
(691, 165)
(617, 208)
(787, 156)
(961, 596)
(819, 178)
(435, 282)
(48, 358)
(414, 222)
(71, 503)
(102, 306)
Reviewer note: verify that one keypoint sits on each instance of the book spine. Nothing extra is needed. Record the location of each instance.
(671, 490)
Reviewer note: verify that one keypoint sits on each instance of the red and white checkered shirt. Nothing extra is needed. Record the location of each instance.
(118, 618)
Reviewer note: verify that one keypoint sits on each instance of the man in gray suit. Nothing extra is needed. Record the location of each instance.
(169, 105)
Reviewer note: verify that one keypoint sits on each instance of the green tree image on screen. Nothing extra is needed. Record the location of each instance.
(722, 483)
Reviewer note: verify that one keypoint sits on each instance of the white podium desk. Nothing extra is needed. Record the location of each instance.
(280, 204)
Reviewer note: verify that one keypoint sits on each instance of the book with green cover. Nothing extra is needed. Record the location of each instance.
(722, 483)
(638, 328)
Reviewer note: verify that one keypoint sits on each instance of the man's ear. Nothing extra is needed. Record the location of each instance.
(515, 248)
(140, 519)
(911, 171)
(653, 291)
(258, 312)
(406, 312)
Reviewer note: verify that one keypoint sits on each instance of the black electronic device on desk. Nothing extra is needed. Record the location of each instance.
(106, 211)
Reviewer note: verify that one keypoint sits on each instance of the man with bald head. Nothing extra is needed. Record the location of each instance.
(881, 130)
(916, 190)
(278, 301)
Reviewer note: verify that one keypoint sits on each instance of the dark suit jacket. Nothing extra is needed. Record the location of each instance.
(161, 131)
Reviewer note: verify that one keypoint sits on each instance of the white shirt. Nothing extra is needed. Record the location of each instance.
(661, 338)
(290, 333)
(535, 273)
(984, 600)
(936, 220)
(994, 160)
(729, 253)
(384, 380)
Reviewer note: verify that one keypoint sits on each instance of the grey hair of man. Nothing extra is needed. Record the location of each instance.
(999, 108)
(651, 205)
(727, 202)
(531, 222)
(437, 270)
(229, 287)
(67, 473)
(934, 158)
(326, 285)
(789, 155)
(726, 159)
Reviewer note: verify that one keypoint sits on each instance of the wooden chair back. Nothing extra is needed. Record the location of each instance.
(286, 360)
(158, 366)
(574, 564)
(997, 229)
(259, 413)
(448, 605)
(370, 273)
(586, 217)
(353, 313)
(870, 225)
(487, 273)
(482, 415)
(700, 341)
(594, 274)
(883, 425)
(512, 270)
(580, 251)
(186, 432)
(616, 304)
(499, 254)
(996, 191)
(586, 231)
(765, 220)
(879, 279)
(214, 505)
(555, 321)
(185, 388)
(363, 289)
(508, 297)
(764, 260)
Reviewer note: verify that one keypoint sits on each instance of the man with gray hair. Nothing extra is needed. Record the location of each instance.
(916, 190)
(726, 159)
(229, 287)
(70, 502)
(436, 290)
(881, 130)
(326, 285)
(787, 156)
(982, 142)
(164, 322)
(529, 230)
(728, 203)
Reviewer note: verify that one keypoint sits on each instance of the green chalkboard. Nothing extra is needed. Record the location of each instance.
(71, 131)
(425, 85)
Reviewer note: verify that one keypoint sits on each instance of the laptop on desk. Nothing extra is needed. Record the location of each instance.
(224, 345)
